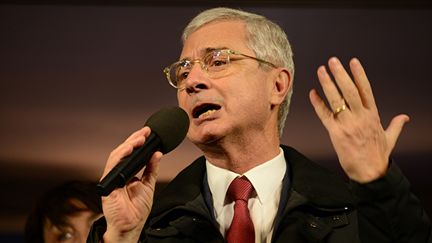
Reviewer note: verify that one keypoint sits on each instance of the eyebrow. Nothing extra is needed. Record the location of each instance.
(206, 50)
(209, 49)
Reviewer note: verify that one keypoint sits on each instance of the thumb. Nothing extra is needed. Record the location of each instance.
(152, 169)
(394, 129)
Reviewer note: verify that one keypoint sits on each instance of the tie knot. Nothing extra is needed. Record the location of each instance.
(240, 189)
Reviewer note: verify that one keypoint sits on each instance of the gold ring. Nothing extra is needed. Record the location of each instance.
(339, 109)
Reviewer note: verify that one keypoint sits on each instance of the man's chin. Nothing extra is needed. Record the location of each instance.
(205, 140)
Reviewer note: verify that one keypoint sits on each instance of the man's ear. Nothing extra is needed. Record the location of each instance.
(282, 83)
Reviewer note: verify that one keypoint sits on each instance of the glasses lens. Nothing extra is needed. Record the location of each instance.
(216, 61)
(178, 72)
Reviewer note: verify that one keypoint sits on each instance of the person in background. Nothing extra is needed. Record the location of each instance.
(64, 214)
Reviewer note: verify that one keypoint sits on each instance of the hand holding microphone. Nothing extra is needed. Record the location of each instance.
(169, 127)
(127, 209)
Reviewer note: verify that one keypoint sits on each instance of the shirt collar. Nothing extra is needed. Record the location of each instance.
(265, 178)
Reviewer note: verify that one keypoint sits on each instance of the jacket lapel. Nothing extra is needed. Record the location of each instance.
(183, 204)
(313, 199)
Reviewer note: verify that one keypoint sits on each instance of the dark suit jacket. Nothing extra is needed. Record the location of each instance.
(315, 206)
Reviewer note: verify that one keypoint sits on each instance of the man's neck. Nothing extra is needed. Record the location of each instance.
(241, 154)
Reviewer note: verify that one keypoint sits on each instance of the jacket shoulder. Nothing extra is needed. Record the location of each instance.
(321, 186)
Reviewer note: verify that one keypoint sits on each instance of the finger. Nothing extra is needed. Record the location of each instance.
(323, 113)
(330, 91)
(145, 131)
(363, 84)
(394, 129)
(147, 168)
(345, 84)
(142, 191)
(137, 139)
(152, 169)
(147, 184)
(122, 151)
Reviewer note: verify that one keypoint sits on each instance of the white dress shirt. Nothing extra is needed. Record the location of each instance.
(267, 182)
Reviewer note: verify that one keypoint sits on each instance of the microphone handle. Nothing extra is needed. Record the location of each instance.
(129, 166)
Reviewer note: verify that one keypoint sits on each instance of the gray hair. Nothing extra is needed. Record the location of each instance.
(265, 38)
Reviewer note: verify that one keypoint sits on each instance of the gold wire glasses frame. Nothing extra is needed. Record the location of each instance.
(214, 62)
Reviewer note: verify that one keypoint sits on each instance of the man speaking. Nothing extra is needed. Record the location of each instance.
(234, 79)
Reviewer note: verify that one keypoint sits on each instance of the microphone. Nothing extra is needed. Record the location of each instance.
(168, 129)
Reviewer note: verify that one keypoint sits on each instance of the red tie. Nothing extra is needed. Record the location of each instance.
(241, 229)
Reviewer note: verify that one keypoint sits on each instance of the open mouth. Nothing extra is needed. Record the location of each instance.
(204, 110)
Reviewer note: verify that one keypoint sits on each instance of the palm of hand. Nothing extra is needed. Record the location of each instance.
(362, 145)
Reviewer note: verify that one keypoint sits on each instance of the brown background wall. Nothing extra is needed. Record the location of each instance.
(76, 79)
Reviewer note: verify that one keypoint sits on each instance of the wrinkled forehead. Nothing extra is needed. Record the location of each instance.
(206, 52)
(227, 34)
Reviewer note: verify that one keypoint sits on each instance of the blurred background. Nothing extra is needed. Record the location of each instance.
(77, 77)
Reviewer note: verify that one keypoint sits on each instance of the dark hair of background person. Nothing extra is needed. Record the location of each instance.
(56, 205)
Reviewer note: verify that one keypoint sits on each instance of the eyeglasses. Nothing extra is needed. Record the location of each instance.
(215, 62)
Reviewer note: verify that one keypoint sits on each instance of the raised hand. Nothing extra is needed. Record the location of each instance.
(362, 145)
(126, 209)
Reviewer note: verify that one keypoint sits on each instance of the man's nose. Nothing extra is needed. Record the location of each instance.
(197, 79)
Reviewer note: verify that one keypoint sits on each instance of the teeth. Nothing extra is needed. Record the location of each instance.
(207, 113)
